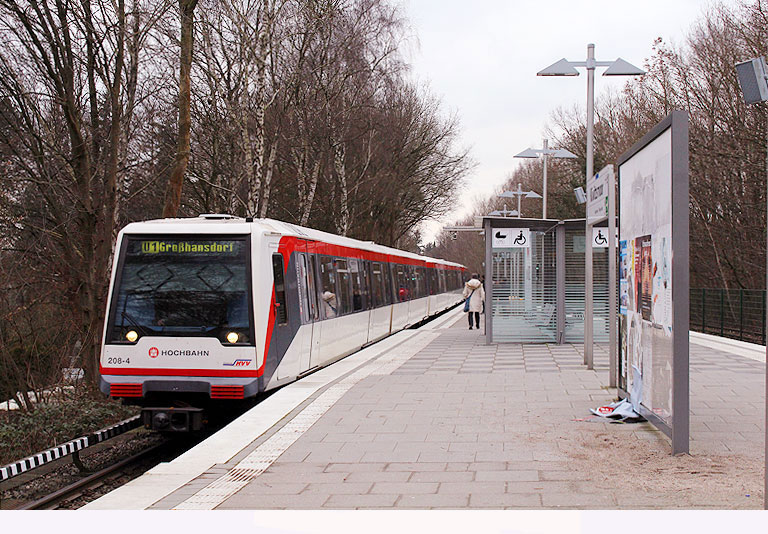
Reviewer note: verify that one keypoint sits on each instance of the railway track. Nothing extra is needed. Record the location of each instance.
(100, 482)
(63, 490)
(73, 478)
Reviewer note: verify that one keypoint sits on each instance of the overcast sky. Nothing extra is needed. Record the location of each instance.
(480, 58)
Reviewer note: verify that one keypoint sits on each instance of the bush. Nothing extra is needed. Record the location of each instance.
(25, 433)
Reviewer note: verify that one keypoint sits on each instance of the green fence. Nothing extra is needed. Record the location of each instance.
(733, 313)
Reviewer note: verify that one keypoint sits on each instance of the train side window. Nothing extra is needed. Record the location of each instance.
(441, 280)
(365, 283)
(377, 283)
(421, 281)
(307, 293)
(328, 300)
(358, 289)
(281, 310)
(312, 287)
(401, 283)
(343, 282)
(411, 278)
(411, 270)
(391, 280)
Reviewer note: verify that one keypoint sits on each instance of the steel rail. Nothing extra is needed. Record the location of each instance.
(61, 494)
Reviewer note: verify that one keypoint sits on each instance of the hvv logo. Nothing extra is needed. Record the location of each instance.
(239, 363)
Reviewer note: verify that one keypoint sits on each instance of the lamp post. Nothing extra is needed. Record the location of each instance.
(520, 194)
(545, 152)
(619, 67)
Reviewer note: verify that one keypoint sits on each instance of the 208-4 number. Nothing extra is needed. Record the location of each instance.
(118, 361)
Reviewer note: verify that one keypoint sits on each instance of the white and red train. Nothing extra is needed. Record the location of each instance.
(210, 309)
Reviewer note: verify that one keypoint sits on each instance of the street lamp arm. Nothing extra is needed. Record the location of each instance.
(622, 68)
(563, 153)
(529, 153)
(619, 67)
(559, 68)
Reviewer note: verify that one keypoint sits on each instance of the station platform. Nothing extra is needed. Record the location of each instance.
(435, 418)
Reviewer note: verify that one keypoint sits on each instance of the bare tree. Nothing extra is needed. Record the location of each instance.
(173, 191)
(61, 161)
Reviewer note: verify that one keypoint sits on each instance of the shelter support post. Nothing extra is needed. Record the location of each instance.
(560, 277)
(488, 283)
(613, 282)
(589, 360)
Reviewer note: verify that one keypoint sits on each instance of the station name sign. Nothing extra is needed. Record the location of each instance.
(597, 195)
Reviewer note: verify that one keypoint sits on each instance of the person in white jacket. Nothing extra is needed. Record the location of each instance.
(473, 290)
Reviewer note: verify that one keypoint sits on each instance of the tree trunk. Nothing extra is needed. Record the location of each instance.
(173, 191)
(262, 54)
(251, 173)
(268, 179)
(339, 163)
(312, 186)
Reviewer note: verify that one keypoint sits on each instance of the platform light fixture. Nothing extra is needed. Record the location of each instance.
(545, 153)
(504, 213)
(618, 67)
(519, 194)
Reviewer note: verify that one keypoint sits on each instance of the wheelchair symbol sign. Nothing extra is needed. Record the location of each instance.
(600, 237)
(511, 238)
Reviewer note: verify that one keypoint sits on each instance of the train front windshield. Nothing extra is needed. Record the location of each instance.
(182, 287)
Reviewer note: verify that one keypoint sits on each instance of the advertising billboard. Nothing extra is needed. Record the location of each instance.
(653, 277)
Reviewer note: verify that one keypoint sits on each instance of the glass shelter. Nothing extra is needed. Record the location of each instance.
(534, 281)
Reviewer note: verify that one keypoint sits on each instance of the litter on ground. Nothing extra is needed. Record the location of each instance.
(619, 411)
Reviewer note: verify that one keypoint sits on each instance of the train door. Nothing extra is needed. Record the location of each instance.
(308, 299)
(296, 314)
(281, 340)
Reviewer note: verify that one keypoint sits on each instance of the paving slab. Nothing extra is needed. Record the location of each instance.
(444, 420)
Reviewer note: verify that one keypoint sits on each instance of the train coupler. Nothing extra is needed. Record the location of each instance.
(173, 419)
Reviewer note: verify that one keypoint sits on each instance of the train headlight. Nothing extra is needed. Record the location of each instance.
(132, 336)
(233, 337)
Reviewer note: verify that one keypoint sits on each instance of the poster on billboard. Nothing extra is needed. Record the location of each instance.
(653, 277)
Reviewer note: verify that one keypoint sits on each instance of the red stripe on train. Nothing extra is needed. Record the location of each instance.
(179, 372)
(318, 247)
